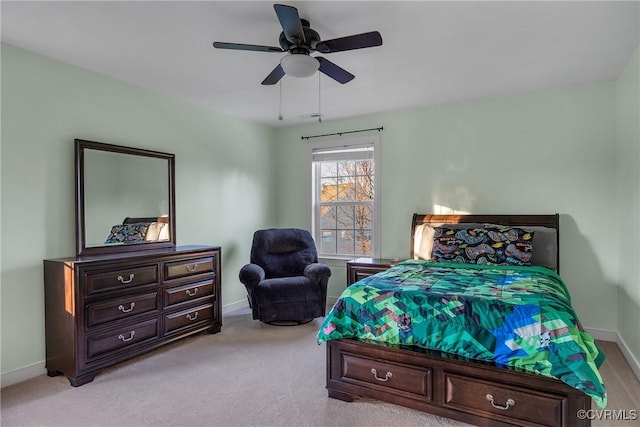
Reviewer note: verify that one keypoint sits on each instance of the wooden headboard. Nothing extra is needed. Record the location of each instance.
(550, 221)
(131, 220)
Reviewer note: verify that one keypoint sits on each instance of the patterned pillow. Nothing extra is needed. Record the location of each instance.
(497, 245)
(128, 233)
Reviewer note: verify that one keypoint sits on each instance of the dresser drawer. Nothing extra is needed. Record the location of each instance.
(359, 268)
(98, 345)
(187, 318)
(360, 273)
(502, 402)
(121, 308)
(188, 292)
(122, 278)
(394, 378)
(175, 269)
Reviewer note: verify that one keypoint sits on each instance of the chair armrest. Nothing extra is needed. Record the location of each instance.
(317, 272)
(251, 274)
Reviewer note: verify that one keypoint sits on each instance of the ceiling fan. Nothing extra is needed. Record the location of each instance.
(299, 39)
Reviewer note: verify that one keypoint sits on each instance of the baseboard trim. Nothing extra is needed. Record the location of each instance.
(23, 374)
(603, 334)
(38, 368)
(614, 336)
(633, 362)
(228, 308)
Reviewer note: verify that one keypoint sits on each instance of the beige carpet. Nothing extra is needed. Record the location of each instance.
(250, 374)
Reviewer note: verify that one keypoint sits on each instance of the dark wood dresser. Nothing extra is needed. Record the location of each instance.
(101, 310)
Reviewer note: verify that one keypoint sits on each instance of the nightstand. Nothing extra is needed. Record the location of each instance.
(360, 268)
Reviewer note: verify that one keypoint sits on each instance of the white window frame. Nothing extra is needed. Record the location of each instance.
(344, 143)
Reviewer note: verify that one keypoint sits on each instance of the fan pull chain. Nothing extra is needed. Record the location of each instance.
(319, 110)
(280, 107)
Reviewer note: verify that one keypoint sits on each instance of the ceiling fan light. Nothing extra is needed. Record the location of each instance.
(299, 65)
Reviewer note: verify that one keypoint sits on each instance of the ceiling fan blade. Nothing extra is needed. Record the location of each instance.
(357, 41)
(274, 77)
(290, 22)
(332, 70)
(240, 46)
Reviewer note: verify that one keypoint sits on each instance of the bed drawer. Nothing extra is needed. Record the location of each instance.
(503, 402)
(117, 279)
(394, 378)
(188, 267)
(121, 308)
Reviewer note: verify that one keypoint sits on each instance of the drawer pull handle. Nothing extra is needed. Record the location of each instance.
(510, 402)
(191, 267)
(192, 292)
(126, 310)
(192, 318)
(125, 281)
(125, 339)
(386, 377)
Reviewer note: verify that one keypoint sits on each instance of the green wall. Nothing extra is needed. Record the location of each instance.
(543, 152)
(628, 137)
(223, 178)
(575, 151)
(563, 150)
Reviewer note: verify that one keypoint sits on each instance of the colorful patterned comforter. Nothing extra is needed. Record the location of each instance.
(517, 317)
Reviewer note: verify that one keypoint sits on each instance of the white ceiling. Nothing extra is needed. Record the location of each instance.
(433, 52)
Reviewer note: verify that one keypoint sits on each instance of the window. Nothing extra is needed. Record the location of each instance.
(344, 177)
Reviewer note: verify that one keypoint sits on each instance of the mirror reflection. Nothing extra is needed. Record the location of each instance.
(124, 198)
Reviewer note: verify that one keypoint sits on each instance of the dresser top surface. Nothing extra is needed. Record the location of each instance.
(178, 250)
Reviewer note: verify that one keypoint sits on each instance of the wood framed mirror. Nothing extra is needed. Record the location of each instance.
(125, 199)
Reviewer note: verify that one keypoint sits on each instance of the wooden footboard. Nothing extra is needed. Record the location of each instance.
(466, 391)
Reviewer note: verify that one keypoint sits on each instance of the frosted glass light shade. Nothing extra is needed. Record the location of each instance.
(299, 65)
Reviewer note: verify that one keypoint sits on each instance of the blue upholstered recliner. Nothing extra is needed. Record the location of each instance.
(284, 281)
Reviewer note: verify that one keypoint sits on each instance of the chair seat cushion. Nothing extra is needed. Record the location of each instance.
(287, 298)
(285, 289)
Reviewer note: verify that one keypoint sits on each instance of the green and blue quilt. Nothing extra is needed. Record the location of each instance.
(513, 316)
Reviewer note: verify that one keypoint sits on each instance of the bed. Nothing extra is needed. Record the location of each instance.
(139, 230)
(477, 342)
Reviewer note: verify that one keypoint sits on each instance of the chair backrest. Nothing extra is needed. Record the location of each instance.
(283, 252)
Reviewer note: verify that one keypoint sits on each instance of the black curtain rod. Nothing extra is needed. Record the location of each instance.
(341, 133)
